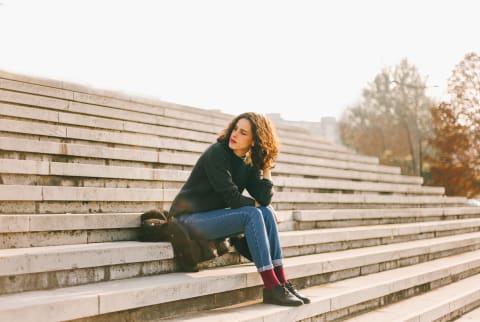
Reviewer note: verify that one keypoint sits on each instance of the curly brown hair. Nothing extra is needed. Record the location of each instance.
(265, 150)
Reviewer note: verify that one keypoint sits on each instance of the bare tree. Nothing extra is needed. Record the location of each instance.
(395, 99)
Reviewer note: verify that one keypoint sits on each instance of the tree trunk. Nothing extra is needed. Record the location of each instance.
(414, 142)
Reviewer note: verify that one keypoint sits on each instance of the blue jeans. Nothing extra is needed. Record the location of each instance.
(258, 224)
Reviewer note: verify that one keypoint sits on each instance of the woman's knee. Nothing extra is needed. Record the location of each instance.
(253, 213)
(267, 214)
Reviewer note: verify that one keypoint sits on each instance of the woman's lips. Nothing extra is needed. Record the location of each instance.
(233, 141)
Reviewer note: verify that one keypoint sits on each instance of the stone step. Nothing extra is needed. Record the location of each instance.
(26, 269)
(123, 123)
(152, 295)
(299, 169)
(151, 115)
(68, 265)
(24, 223)
(64, 169)
(174, 141)
(382, 234)
(162, 157)
(66, 237)
(72, 92)
(13, 195)
(54, 105)
(69, 170)
(474, 315)
(30, 260)
(364, 199)
(286, 157)
(38, 230)
(42, 149)
(13, 146)
(56, 193)
(332, 239)
(76, 94)
(94, 135)
(73, 117)
(325, 218)
(11, 223)
(22, 93)
(441, 304)
(300, 184)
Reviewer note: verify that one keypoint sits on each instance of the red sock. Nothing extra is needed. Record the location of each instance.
(280, 273)
(269, 279)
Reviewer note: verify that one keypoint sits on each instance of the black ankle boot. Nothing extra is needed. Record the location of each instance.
(281, 296)
(289, 286)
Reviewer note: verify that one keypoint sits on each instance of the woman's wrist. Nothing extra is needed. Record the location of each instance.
(266, 174)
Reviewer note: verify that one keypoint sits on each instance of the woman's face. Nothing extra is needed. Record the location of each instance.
(241, 139)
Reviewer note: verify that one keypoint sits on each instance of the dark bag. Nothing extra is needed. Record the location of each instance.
(157, 225)
(190, 251)
(153, 227)
(187, 252)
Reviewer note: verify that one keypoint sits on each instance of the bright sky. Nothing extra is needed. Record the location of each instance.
(302, 59)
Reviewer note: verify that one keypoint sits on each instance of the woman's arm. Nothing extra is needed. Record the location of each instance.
(260, 187)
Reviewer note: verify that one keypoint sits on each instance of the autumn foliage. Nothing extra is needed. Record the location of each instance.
(455, 162)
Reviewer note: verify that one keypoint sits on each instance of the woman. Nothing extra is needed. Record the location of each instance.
(211, 205)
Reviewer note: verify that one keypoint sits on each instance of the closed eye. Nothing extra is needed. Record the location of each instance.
(241, 131)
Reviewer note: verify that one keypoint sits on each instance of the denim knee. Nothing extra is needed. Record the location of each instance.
(253, 213)
(267, 214)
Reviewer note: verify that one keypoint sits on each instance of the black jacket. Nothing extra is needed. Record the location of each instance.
(218, 180)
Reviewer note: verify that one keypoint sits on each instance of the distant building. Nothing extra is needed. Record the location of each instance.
(326, 128)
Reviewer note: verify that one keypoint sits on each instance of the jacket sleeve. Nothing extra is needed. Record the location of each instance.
(260, 189)
(217, 168)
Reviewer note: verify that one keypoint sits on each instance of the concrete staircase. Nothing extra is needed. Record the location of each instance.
(79, 165)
